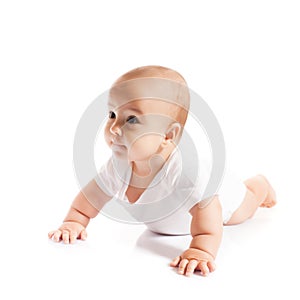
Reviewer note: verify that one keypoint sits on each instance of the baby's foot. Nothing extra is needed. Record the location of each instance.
(270, 200)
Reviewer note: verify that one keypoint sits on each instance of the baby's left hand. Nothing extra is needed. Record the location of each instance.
(192, 260)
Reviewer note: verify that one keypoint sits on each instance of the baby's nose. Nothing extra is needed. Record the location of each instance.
(116, 130)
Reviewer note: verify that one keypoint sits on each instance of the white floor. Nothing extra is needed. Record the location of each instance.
(56, 58)
(257, 260)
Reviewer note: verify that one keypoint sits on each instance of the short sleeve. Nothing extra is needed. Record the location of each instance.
(106, 178)
(199, 188)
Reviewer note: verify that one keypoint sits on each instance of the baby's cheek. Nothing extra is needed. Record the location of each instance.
(145, 146)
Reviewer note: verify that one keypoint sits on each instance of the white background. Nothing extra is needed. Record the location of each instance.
(242, 57)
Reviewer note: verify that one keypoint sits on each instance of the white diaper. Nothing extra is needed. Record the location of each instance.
(231, 194)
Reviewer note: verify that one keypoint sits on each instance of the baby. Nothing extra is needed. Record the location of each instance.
(148, 108)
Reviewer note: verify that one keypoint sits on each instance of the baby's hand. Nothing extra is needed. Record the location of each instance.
(68, 232)
(192, 260)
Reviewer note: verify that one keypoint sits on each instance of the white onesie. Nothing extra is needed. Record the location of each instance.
(164, 206)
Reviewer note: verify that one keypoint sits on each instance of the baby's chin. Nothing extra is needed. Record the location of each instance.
(119, 151)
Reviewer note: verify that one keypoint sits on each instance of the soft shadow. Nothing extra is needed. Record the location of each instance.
(168, 246)
(258, 226)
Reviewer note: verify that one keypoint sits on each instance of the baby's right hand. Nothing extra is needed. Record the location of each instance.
(68, 232)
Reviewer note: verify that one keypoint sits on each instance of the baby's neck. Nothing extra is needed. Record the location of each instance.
(143, 172)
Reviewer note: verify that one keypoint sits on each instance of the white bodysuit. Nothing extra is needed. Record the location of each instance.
(164, 206)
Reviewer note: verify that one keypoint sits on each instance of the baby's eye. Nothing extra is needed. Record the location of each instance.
(111, 115)
(132, 120)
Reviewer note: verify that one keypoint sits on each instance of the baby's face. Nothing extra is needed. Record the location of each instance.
(136, 129)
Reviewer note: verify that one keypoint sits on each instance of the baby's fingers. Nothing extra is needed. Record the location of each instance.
(211, 265)
(182, 266)
(69, 236)
(66, 236)
(73, 237)
(202, 266)
(83, 235)
(55, 235)
(50, 234)
(175, 261)
(191, 267)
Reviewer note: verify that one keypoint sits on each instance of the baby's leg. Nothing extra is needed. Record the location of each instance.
(259, 193)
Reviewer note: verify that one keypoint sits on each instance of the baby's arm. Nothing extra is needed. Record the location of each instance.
(85, 206)
(206, 230)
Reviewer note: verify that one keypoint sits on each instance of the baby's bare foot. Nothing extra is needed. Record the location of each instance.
(270, 200)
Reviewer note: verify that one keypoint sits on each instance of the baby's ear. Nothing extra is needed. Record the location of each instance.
(173, 133)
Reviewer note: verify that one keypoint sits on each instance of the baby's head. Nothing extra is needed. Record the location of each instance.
(148, 108)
